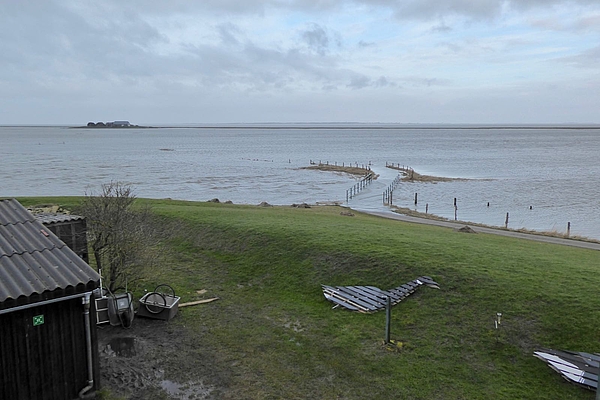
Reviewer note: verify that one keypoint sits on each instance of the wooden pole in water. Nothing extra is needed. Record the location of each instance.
(415, 199)
(388, 318)
(426, 208)
(568, 228)
(455, 213)
(506, 222)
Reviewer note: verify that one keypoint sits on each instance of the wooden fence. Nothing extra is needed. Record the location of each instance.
(363, 183)
(388, 194)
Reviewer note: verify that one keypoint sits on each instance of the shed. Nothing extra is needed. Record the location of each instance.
(48, 342)
(71, 229)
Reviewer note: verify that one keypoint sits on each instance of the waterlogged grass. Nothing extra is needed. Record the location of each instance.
(273, 335)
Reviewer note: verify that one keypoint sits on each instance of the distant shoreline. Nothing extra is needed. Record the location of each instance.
(113, 127)
(386, 127)
(335, 126)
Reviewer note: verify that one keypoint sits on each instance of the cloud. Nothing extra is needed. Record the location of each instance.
(589, 58)
(470, 9)
(442, 27)
(359, 82)
(427, 82)
(578, 24)
(228, 33)
(156, 55)
(382, 81)
(364, 44)
(316, 38)
(588, 22)
(320, 40)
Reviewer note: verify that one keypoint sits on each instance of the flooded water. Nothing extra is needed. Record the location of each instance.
(187, 391)
(543, 178)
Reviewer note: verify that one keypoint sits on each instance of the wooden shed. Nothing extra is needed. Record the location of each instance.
(48, 342)
(71, 229)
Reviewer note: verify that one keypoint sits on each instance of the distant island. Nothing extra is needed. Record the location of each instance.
(113, 124)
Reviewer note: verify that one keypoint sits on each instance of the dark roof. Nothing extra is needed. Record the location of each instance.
(34, 261)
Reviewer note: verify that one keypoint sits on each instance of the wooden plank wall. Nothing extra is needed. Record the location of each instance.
(74, 234)
(48, 361)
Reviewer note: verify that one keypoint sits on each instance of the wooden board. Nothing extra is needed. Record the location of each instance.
(193, 303)
(370, 299)
(343, 304)
(375, 293)
(580, 360)
(367, 294)
(356, 298)
(578, 368)
(334, 295)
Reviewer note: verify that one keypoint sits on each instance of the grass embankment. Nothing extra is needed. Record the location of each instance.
(273, 335)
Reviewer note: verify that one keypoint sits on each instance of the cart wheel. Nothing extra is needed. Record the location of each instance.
(155, 302)
(163, 286)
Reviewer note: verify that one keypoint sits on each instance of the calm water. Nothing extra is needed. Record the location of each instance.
(556, 172)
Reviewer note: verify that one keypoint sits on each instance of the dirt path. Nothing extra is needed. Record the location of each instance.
(493, 231)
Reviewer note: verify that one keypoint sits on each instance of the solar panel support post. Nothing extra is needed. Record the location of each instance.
(388, 318)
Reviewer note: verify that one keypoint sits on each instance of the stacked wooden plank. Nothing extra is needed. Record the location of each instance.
(370, 299)
(576, 367)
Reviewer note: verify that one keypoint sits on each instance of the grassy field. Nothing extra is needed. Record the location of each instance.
(275, 336)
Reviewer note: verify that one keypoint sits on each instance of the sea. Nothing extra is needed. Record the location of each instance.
(542, 178)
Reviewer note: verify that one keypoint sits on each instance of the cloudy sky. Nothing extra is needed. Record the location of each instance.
(236, 61)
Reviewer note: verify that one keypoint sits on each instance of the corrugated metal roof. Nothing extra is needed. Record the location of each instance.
(33, 260)
(50, 218)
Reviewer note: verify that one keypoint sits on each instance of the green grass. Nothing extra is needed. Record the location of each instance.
(277, 337)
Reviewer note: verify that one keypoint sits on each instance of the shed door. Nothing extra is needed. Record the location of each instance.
(43, 352)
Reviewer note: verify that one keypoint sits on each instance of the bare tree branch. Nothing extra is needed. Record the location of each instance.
(122, 237)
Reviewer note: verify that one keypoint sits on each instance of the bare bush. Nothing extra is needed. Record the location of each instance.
(123, 237)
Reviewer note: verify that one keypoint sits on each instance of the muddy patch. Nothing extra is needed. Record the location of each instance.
(121, 346)
(158, 360)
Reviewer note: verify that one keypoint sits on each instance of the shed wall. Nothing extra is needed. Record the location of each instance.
(47, 361)
(74, 234)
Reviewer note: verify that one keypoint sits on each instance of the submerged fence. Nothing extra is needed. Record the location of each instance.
(388, 195)
(351, 168)
(363, 183)
(366, 167)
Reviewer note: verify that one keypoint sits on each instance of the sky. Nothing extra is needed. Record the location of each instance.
(283, 61)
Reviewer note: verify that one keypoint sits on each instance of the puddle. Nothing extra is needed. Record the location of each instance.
(123, 346)
(187, 391)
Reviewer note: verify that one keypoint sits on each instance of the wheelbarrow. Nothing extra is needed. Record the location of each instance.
(159, 304)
